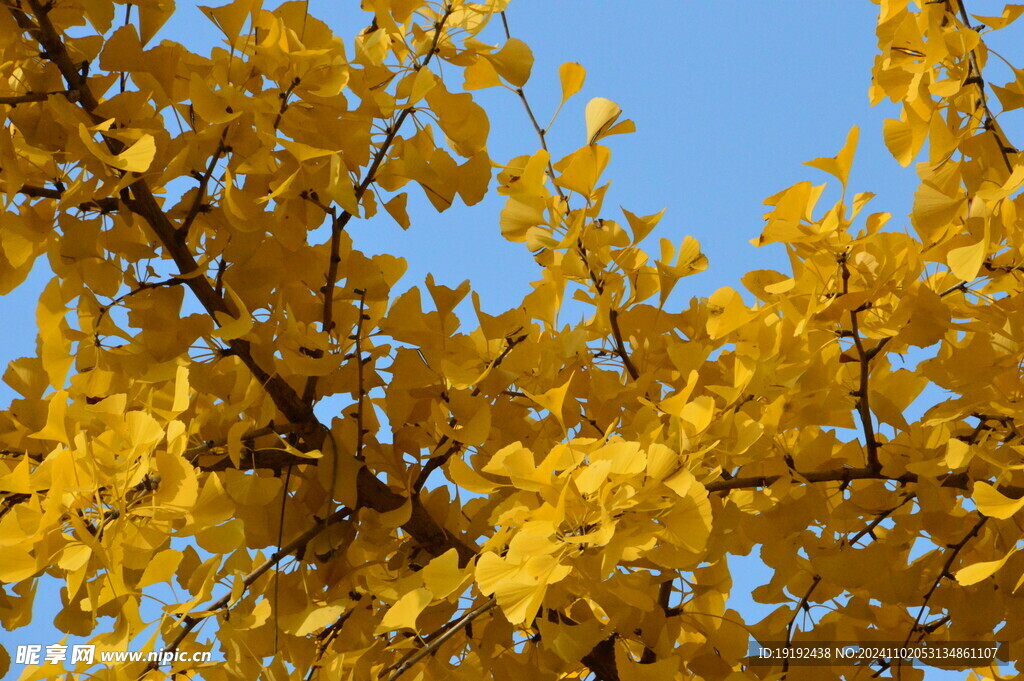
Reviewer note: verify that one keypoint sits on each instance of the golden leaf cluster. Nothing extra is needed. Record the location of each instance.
(510, 496)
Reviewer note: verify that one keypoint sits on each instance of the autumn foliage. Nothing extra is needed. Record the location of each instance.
(503, 496)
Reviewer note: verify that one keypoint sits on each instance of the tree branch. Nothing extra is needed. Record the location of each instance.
(436, 462)
(144, 204)
(204, 180)
(360, 381)
(339, 223)
(104, 205)
(943, 573)
(438, 641)
(189, 622)
(974, 76)
(960, 481)
(620, 346)
(613, 315)
(14, 100)
(864, 360)
(372, 492)
(207, 447)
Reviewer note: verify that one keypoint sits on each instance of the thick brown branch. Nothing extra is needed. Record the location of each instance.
(11, 500)
(372, 492)
(620, 346)
(864, 361)
(601, 660)
(144, 204)
(14, 100)
(105, 205)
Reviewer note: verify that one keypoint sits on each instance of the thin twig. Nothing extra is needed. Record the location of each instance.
(360, 381)
(277, 569)
(961, 481)
(324, 640)
(207, 447)
(954, 551)
(144, 286)
(284, 101)
(878, 520)
(541, 132)
(204, 180)
(802, 606)
(189, 622)
(436, 643)
(339, 222)
(435, 461)
(975, 76)
(613, 315)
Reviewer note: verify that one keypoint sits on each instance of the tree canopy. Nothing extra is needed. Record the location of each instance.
(506, 495)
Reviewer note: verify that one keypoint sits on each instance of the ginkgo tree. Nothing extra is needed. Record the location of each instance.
(509, 496)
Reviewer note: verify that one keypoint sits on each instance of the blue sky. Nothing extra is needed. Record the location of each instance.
(729, 98)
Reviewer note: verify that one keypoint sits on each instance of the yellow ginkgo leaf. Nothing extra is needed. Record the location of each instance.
(966, 261)
(230, 18)
(18, 564)
(479, 75)
(641, 225)
(443, 576)
(552, 400)
(222, 538)
(839, 165)
(136, 158)
(726, 312)
(422, 82)
(513, 62)
(396, 208)
(309, 621)
(152, 15)
(520, 599)
(178, 485)
(491, 571)
(56, 425)
(601, 115)
(993, 503)
(161, 568)
(250, 489)
(403, 614)
(571, 76)
(972, 574)
(234, 327)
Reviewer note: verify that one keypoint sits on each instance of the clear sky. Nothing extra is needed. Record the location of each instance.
(729, 98)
